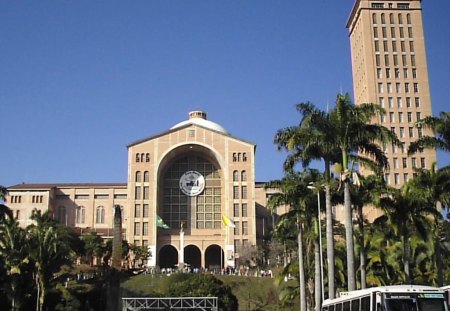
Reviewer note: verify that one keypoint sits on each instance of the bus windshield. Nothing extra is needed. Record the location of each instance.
(415, 304)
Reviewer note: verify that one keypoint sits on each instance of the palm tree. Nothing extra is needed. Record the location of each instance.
(434, 186)
(14, 253)
(441, 128)
(407, 212)
(355, 135)
(48, 250)
(313, 139)
(294, 193)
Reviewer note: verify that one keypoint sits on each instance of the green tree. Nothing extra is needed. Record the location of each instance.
(355, 136)
(14, 252)
(49, 250)
(441, 128)
(407, 212)
(313, 139)
(93, 245)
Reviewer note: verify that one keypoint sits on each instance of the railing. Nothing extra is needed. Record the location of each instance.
(173, 303)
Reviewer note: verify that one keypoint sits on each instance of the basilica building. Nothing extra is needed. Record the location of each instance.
(191, 197)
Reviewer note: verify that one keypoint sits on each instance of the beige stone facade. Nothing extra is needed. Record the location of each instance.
(190, 176)
(390, 68)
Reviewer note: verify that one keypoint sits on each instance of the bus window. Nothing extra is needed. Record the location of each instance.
(431, 305)
(355, 305)
(346, 306)
(365, 304)
(401, 305)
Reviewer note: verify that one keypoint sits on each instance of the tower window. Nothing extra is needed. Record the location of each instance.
(377, 5)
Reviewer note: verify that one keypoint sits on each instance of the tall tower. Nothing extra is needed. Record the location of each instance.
(389, 68)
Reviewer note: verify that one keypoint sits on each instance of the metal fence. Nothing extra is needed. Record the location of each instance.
(173, 303)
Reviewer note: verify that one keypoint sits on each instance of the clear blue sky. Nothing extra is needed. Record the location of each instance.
(79, 80)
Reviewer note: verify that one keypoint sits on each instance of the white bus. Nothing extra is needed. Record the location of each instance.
(447, 291)
(390, 298)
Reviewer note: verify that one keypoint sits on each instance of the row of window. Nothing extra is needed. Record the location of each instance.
(241, 227)
(238, 157)
(141, 193)
(137, 228)
(398, 87)
(402, 131)
(239, 195)
(142, 157)
(399, 102)
(404, 162)
(393, 33)
(141, 210)
(37, 198)
(401, 117)
(80, 215)
(243, 176)
(239, 245)
(16, 199)
(392, 20)
(240, 210)
(387, 178)
(395, 62)
(396, 73)
(139, 175)
(393, 46)
(139, 243)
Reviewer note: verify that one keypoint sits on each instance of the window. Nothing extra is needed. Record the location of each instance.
(377, 60)
(395, 163)
(400, 117)
(377, 5)
(236, 210)
(244, 192)
(145, 210)
(394, 46)
(403, 5)
(235, 192)
(234, 157)
(405, 73)
(100, 215)
(406, 87)
(420, 132)
(80, 215)
(147, 157)
(413, 162)
(402, 46)
(417, 102)
(377, 46)
(403, 148)
(393, 33)
(399, 102)
(386, 59)
(416, 87)
(397, 72)
(408, 102)
(244, 209)
(396, 178)
(410, 32)
(137, 210)
(409, 117)
(404, 61)
(235, 176)
(400, 19)
(411, 46)
(411, 132)
(388, 73)
(236, 228)
(243, 176)
(383, 20)
(383, 30)
(398, 87)
(61, 215)
(375, 32)
(137, 228)
(418, 117)
(137, 158)
(379, 73)
(374, 18)
(391, 18)
(395, 60)
(391, 117)
(380, 87)
(389, 87)
(245, 228)
(402, 132)
(146, 176)
(391, 102)
(145, 228)
(244, 157)
(422, 163)
(137, 193)
(402, 32)
(383, 118)
(405, 162)
(405, 177)
(414, 73)
(146, 192)
(387, 178)
(381, 101)
(413, 60)
(385, 46)
(138, 177)
(408, 18)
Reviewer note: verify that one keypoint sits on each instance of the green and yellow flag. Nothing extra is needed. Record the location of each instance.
(228, 222)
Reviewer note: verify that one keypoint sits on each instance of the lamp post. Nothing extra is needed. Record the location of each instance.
(320, 239)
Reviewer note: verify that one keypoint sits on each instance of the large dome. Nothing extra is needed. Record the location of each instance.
(199, 118)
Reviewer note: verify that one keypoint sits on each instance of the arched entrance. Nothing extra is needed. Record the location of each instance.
(168, 257)
(214, 258)
(192, 256)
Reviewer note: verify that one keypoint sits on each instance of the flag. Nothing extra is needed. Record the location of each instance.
(160, 223)
(228, 222)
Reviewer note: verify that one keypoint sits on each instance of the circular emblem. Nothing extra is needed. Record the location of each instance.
(192, 183)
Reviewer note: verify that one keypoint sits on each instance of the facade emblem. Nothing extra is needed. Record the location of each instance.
(192, 183)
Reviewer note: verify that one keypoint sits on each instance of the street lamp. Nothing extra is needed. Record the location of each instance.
(320, 238)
